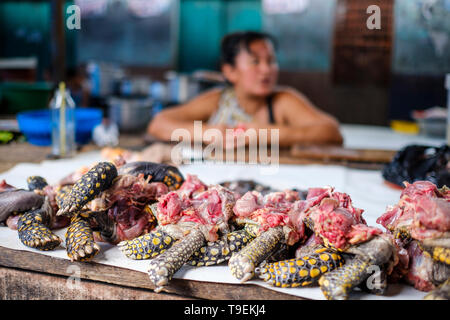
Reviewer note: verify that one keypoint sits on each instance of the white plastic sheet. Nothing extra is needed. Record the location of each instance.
(366, 189)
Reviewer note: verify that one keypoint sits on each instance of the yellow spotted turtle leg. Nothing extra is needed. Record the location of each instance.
(303, 271)
(159, 172)
(80, 244)
(243, 263)
(93, 182)
(34, 232)
(61, 192)
(164, 266)
(221, 250)
(379, 283)
(36, 183)
(438, 253)
(337, 284)
(146, 246)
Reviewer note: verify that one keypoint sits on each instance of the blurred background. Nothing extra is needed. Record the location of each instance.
(159, 53)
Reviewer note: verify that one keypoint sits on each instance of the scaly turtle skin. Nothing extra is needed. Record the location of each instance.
(222, 250)
(243, 263)
(438, 249)
(337, 284)
(34, 226)
(80, 242)
(163, 267)
(34, 229)
(35, 212)
(61, 193)
(36, 183)
(159, 240)
(91, 184)
(303, 271)
(167, 174)
(439, 254)
(204, 219)
(192, 249)
(148, 245)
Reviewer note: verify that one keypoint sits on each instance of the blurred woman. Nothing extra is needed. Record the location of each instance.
(251, 99)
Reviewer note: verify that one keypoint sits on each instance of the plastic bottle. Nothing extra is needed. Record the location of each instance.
(63, 123)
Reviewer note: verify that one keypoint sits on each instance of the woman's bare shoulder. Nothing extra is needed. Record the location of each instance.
(290, 102)
(288, 96)
(286, 92)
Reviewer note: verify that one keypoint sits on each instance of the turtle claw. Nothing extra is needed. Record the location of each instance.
(303, 271)
(80, 244)
(217, 252)
(337, 284)
(164, 266)
(242, 264)
(89, 249)
(146, 246)
(33, 233)
(247, 276)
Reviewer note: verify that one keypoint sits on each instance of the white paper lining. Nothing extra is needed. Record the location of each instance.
(366, 189)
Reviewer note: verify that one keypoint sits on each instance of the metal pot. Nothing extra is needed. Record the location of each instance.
(131, 114)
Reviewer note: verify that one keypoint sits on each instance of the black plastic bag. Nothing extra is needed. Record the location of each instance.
(419, 162)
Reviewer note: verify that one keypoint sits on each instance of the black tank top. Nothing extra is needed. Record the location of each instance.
(270, 109)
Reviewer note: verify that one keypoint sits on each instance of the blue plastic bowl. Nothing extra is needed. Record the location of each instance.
(36, 125)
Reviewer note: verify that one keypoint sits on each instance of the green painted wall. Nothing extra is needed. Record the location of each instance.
(304, 38)
(243, 15)
(202, 25)
(25, 31)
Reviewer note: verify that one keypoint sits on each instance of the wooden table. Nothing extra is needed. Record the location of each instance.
(29, 275)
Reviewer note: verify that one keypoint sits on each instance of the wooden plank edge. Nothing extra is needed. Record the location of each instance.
(126, 277)
(19, 284)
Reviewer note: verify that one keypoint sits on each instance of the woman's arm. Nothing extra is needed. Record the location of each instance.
(320, 134)
(183, 116)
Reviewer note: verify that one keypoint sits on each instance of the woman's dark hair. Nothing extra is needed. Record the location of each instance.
(233, 43)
